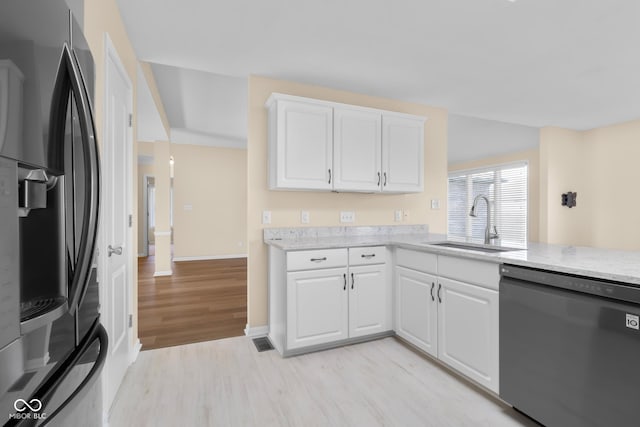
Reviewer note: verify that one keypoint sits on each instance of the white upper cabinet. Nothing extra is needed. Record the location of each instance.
(301, 152)
(357, 149)
(322, 145)
(402, 154)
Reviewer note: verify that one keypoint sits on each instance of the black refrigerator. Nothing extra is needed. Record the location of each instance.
(52, 345)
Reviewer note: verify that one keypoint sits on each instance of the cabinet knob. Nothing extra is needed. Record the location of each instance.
(385, 180)
(439, 287)
(329, 176)
(352, 280)
(344, 276)
(432, 286)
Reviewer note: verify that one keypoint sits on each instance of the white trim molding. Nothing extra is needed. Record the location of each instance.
(208, 257)
(256, 331)
(163, 273)
(136, 351)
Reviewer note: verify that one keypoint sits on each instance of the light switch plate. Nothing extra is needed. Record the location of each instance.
(435, 203)
(188, 207)
(304, 217)
(398, 216)
(266, 217)
(347, 216)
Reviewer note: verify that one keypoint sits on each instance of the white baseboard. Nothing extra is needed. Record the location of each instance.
(163, 273)
(136, 351)
(209, 257)
(256, 331)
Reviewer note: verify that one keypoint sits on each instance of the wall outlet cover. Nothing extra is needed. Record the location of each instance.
(304, 217)
(435, 203)
(266, 217)
(347, 216)
(397, 216)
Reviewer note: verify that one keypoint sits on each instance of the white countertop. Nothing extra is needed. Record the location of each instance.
(609, 264)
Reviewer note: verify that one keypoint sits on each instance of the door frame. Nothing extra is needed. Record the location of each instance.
(111, 57)
(145, 213)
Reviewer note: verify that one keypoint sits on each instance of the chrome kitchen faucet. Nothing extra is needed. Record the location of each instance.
(488, 235)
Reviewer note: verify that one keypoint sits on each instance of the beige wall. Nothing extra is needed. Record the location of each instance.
(601, 166)
(324, 208)
(532, 157)
(213, 182)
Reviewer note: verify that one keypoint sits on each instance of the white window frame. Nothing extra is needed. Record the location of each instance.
(498, 167)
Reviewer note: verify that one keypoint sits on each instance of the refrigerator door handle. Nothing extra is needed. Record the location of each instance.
(70, 79)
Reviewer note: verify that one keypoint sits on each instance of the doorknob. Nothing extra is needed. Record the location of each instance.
(111, 250)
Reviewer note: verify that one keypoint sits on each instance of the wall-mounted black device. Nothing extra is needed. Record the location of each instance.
(569, 199)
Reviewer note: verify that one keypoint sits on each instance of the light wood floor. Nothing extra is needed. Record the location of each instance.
(228, 383)
(201, 301)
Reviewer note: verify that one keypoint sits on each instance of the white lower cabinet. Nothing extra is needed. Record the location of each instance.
(417, 310)
(368, 301)
(455, 321)
(330, 295)
(317, 307)
(468, 330)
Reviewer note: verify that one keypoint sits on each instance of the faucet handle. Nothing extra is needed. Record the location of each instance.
(495, 234)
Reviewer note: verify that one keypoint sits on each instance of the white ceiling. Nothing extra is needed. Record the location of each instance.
(569, 63)
(149, 124)
(203, 108)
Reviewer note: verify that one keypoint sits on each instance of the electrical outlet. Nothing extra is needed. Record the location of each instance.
(304, 217)
(435, 204)
(398, 216)
(347, 216)
(405, 215)
(188, 207)
(266, 217)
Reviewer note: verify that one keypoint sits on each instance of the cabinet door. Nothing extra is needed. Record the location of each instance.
(317, 307)
(468, 330)
(304, 143)
(368, 301)
(417, 309)
(357, 150)
(402, 154)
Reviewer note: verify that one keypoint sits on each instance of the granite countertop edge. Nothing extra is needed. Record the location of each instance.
(608, 264)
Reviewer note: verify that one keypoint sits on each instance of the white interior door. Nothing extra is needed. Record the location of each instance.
(115, 221)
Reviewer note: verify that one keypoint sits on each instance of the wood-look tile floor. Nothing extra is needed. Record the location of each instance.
(228, 383)
(201, 301)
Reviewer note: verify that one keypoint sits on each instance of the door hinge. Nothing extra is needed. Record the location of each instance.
(130, 220)
(130, 120)
(131, 320)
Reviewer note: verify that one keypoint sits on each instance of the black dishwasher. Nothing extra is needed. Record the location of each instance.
(569, 348)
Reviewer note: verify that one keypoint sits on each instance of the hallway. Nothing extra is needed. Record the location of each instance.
(201, 301)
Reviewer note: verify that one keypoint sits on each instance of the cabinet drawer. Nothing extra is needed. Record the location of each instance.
(416, 260)
(367, 255)
(481, 273)
(316, 259)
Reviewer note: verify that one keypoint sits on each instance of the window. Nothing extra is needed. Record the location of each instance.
(506, 188)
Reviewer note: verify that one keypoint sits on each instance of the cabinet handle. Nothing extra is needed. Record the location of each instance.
(352, 280)
(439, 287)
(344, 276)
(324, 258)
(385, 179)
(329, 176)
(378, 179)
(367, 256)
(432, 285)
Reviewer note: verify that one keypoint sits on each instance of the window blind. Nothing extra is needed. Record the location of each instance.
(505, 186)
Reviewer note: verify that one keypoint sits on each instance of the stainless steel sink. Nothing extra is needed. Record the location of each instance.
(472, 247)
